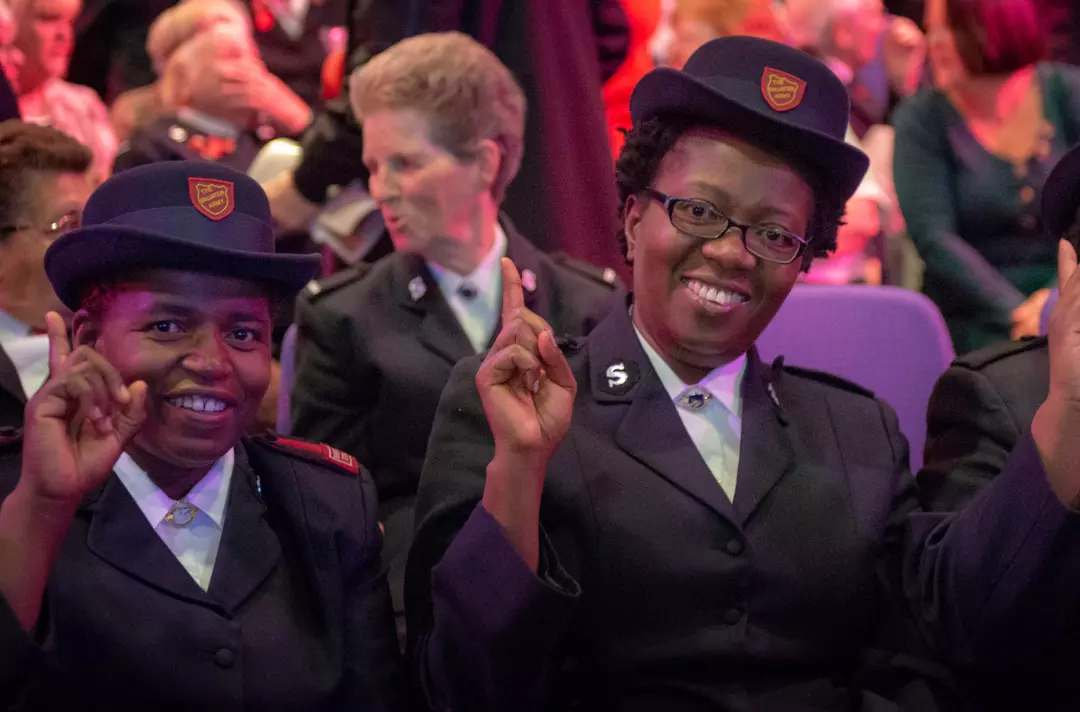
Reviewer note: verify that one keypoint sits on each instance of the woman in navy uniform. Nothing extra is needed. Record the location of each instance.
(654, 519)
(443, 128)
(151, 555)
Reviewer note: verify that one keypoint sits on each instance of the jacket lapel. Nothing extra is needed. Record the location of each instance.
(249, 548)
(9, 378)
(121, 535)
(766, 453)
(651, 430)
(418, 292)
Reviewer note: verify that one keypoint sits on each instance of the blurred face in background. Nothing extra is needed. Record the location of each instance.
(695, 22)
(948, 69)
(46, 36)
(432, 200)
(53, 206)
(857, 32)
(11, 58)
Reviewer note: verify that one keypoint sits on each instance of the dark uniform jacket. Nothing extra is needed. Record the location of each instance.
(979, 411)
(655, 592)
(172, 139)
(12, 396)
(297, 615)
(372, 361)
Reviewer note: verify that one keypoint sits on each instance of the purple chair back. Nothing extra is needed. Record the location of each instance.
(890, 340)
(288, 375)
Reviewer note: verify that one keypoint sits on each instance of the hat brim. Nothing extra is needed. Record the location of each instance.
(838, 168)
(1061, 195)
(80, 258)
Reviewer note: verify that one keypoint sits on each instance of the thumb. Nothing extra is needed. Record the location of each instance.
(133, 413)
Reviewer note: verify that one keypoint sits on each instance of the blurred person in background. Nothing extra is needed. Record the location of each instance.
(695, 22)
(212, 80)
(563, 191)
(44, 36)
(643, 17)
(43, 187)
(972, 153)
(443, 124)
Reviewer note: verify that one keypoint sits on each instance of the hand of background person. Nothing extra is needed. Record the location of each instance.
(904, 53)
(78, 423)
(1027, 316)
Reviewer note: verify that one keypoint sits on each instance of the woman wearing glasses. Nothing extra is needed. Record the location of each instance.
(663, 522)
(43, 186)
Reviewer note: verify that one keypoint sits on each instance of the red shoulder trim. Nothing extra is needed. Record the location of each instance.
(324, 451)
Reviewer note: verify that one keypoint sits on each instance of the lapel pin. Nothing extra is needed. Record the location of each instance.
(181, 514)
(313, 288)
(528, 280)
(619, 377)
(417, 288)
(694, 399)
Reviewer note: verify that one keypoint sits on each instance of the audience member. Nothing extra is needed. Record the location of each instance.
(150, 554)
(11, 57)
(443, 127)
(43, 185)
(848, 35)
(45, 36)
(210, 77)
(642, 17)
(693, 529)
(695, 22)
(563, 192)
(971, 157)
(110, 45)
(981, 408)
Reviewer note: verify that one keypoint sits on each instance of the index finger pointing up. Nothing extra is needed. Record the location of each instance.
(512, 297)
(59, 346)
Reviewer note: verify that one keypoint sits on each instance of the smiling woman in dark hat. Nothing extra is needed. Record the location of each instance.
(151, 555)
(652, 519)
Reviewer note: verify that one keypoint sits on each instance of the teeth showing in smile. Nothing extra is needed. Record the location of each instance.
(720, 297)
(199, 404)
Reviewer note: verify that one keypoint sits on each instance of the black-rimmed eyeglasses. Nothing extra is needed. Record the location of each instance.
(64, 224)
(701, 218)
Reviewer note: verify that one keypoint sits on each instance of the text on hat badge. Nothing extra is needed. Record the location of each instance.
(782, 91)
(213, 198)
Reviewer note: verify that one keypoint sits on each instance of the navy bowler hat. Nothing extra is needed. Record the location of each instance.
(1061, 195)
(768, 94)
(187, 215)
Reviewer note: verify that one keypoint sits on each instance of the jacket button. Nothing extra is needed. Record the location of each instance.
(734, 547)
(224, 658)
(733, 616)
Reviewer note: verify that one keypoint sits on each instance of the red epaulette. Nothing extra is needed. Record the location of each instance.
(319, 452)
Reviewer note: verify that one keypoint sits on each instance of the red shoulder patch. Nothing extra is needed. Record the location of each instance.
(329, 454)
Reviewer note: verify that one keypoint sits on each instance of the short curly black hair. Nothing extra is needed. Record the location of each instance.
(649, 141)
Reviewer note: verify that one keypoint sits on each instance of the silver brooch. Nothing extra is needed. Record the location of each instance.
(181, 514)
(694, 398)
(417, 288)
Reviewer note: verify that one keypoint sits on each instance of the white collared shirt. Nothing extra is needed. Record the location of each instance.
(29, 353)
(479, 315)
(716, 429)
(196, 545)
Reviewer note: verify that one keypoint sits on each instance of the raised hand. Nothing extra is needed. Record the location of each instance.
(1058, 419)
(78, 423)
(525, 382)
(528, 390)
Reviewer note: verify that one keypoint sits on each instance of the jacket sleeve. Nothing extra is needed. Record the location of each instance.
(969, 435)
(989, 585)
(612, 30)
(329, 395)
(482, 626)
(333, 144)
(372, 657)
(922, 162)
